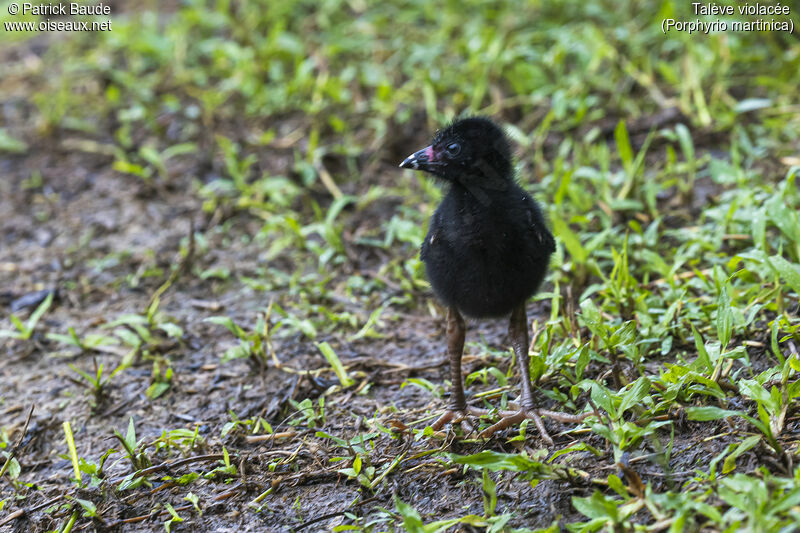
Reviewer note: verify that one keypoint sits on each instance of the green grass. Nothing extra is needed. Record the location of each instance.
(678, 242)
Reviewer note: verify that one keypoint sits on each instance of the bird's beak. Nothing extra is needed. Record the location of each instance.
(420, 160)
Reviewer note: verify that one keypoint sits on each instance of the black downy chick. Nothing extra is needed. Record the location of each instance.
(486, 252)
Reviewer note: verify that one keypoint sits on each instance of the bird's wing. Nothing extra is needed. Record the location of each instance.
(538, 228)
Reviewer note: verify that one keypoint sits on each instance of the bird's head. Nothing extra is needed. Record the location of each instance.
(472, 151)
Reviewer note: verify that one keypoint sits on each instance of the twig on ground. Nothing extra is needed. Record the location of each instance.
(17, 444)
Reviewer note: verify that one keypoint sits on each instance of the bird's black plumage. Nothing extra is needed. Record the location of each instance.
(484, 258)
(486, 252)
(488, 247)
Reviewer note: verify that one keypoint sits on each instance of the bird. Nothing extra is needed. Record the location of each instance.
(486, 252)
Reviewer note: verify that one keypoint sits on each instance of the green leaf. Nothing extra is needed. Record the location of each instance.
(495, 461)
(755, 391)
(783, 216)
(596, 506)
(583, 360)
(730, 461)
(18, 324)
(228, 323)
(702, 354)
(240, 351)
(336, 364)
(89, 508)
(37, 314)
(634, 395)
(624, 145)
(178, 149)
(157, 389)
(11, 468)
(624, 335)
(175, 518)
(489, 495)
(724, 317)
(787, 271)
(601, 397)
(758, 227)
(776, 350)
(615, 484)
(187, 478)
(412, 522)
(570, 240)
(593, 320)
(10, 144)
(172, 330)
(73, 453)
(752, 104)
(709, 412)
(685, 140)
(88, 377)
(129, 441)
(195, 501)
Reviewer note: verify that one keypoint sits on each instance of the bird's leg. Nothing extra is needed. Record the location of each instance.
(518, 331)
(457, 410)
(455, 349)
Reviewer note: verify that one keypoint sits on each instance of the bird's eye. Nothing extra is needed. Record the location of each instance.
(453, 149)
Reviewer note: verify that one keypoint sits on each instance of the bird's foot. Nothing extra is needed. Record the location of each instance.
(458, 416)
(512, 418)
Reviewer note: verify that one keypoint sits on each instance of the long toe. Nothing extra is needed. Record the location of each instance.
(459, 416)
(564, 417)
(447, 417)
(512, 418)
